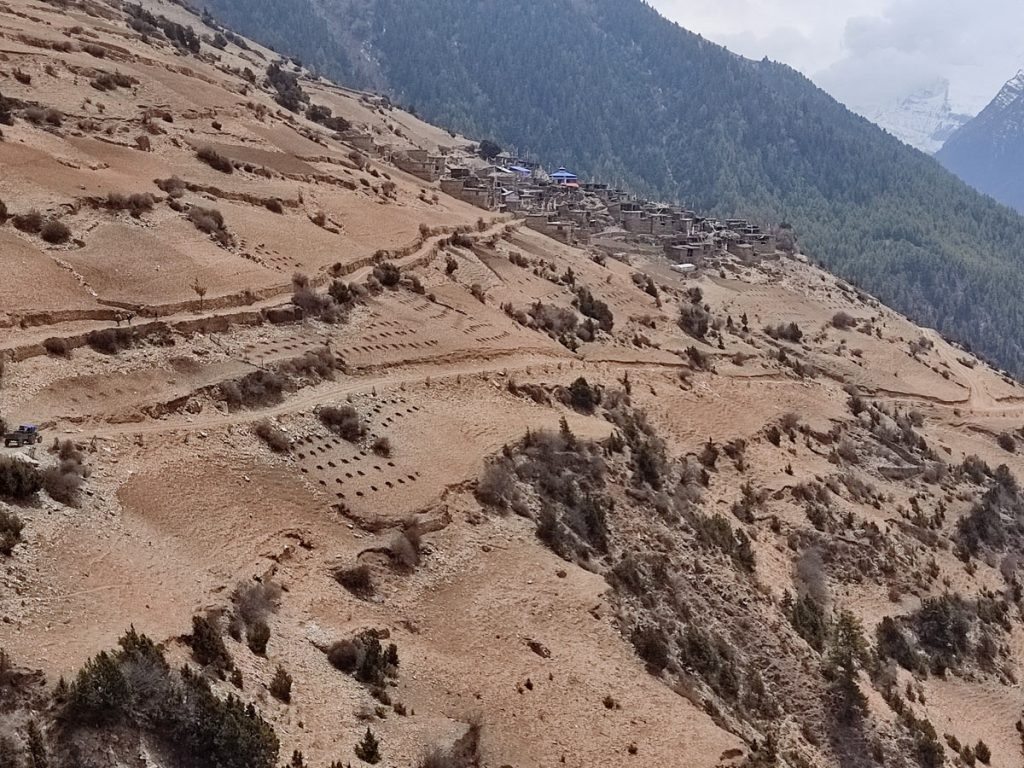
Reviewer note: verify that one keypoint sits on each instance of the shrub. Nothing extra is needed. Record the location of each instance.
(208, 646)
(173, 187)
(11, 527)
(64, 482)
(583, 397)
(843, 321)
(786, 332)
(55, 232)
(275, 439)
(215, 159)
(368, 749)
(983, 753)
(110, 341)
(257, 637)
(595, 309)
(365, 658)
(31, 222)
(136, 203)
(211, 222)
(343, 421)
(478, 293)
(382, 447)
(357, 579)
(3, 213)
(405, 550)
(56, 346)
(281, 685)
(464, 753)
(254, 600)
(274, 205)
(18, 479)
(450, 265)
(1006, 442)
(694, 320)
(256, 389)
(387, 274)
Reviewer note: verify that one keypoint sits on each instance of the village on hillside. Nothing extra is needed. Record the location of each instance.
(559, 205)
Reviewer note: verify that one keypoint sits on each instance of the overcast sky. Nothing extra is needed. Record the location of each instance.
(870, 51)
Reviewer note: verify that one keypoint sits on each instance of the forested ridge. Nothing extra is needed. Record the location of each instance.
(615, 91)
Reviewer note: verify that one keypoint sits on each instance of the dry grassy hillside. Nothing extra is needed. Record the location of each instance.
(350, 452)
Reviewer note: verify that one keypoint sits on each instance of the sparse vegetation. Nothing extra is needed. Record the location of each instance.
(11, 527)
(344, 421)
(215, 159)
(281, 685)
(357, 579)
(19, 480)
(135, 688)
(211, 222)
(273, 436)
(368, 748)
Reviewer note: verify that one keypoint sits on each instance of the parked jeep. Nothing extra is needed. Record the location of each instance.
(26, 434)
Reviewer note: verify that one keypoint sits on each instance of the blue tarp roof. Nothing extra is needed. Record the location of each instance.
(561, 173)
(519, 169)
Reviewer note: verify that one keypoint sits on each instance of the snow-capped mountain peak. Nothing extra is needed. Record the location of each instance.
(924, 119)
(1011, 91)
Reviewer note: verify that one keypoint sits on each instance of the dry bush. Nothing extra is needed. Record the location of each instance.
(464, 753)
(257, 636)
(22, 77)
(405, 549)
(55, 232)
(387, 274)
(786, 332)
(215, 159)
(273, 205)
(110, 341)
(18, 479)
(31, 222)
(255, 600)
(173, 187)
(11, 527)
(3, 213)
(843, 321)
(136, 204)
(281, 685)
(1007, 442)
(270, 434)
(105, 81)
(97, 51)
(210, 221)
(343, 421)
(259, 388)
(56, 346)
(382, 447)
(694, 320)
(63, 483)
(357, 579)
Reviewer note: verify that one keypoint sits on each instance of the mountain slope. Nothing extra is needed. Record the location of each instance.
(923, 119)
(988, 152)
(337, 467)
(616, 91)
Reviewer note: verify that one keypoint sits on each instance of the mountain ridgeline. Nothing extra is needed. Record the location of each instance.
(988, 152)
(614, 90)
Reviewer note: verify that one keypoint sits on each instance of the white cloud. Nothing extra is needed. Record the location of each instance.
(876, 50)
